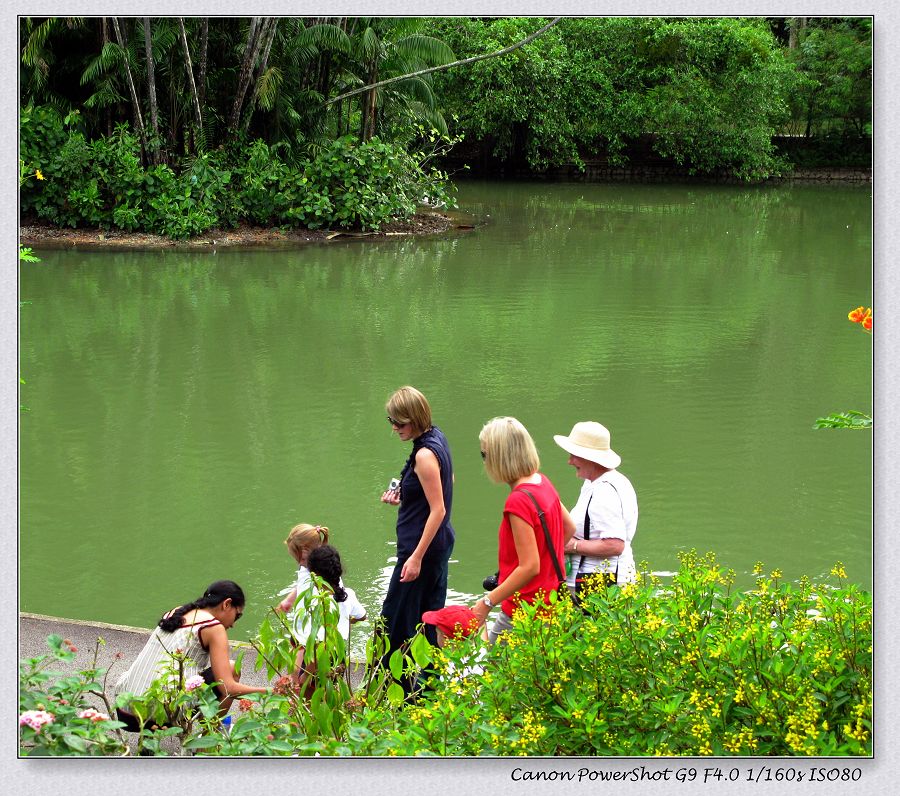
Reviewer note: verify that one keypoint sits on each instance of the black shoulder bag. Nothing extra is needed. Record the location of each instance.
(584, 579)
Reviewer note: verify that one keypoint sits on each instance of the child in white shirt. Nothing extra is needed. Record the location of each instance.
(325, 562)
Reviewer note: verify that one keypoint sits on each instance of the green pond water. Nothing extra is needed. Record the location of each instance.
(187, 409)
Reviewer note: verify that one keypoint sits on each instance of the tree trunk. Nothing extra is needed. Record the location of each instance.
(250, 51)
(195, 102)
(136, 106)
(151, 91)
(796, 24)
(204, 47)
(367, 107)
(267, 37)
(104, 33)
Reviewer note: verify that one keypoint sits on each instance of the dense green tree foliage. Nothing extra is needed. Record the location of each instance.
(126, 117)
(711, 91)
(834, 60)
(193, 83)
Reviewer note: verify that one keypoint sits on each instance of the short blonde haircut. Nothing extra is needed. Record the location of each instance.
(305, 537)
(510, 453)
(408, 405)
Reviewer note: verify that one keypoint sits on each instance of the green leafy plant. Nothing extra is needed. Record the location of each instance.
(57, 715)
(848, 419)
(346, 184)
(690, 667)
(851, 418)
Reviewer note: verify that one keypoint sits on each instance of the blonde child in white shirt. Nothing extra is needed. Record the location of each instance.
(301, 540)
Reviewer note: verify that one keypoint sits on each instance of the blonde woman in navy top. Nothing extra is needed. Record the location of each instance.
(424, 534)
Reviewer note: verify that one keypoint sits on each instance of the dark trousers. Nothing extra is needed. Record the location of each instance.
(405, 603)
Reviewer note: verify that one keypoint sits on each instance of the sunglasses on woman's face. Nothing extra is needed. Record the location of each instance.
(396, 423)
(483, 455)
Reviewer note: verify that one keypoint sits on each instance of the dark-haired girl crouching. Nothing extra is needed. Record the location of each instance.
(341, 602)
(198, 633)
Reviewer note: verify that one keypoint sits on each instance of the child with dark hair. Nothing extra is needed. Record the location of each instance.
(325, 561)
(197, 632)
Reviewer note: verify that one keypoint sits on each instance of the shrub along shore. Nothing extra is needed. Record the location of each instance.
(683, 668)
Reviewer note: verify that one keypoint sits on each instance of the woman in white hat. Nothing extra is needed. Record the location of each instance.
(605, 514)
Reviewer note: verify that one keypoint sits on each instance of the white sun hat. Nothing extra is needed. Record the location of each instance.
(590, 441)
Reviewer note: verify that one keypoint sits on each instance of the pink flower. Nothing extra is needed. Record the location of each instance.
(35, 719)
(93, 715)
(192, 683)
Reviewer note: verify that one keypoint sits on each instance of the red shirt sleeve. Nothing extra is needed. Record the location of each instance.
(520, 504)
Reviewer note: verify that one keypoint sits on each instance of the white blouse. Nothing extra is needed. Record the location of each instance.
(610, 504)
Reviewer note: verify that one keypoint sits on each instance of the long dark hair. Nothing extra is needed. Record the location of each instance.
(325, 561)
(215, 593)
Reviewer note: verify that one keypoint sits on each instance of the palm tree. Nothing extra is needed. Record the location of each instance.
(385, 47)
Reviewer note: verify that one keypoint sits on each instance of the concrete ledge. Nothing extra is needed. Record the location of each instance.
(121, 646)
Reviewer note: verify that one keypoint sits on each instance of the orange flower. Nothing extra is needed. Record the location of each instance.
(857, 315)
(867, 322)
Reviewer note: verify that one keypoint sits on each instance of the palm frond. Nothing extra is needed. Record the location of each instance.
(269, 84)
(416, 89)
(368, 44)
(323, 37)
(431, 51)
(110, 56)
(164, 35)
(430, 117)
(105, 96)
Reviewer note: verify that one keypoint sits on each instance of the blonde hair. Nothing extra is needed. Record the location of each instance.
(510, 453)
(305, 537)
(408, 405)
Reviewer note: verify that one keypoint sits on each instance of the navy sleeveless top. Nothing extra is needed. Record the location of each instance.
(414, 509)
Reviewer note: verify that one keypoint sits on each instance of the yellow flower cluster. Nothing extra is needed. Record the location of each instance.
(701, 731)
(743, 740)
(822, 658)
(857, 728)
(417, 713)
(530, 734)
(838, 571)
(653, 622)
(803, 725)
(700, 701)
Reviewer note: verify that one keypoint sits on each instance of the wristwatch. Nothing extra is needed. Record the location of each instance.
(487, 601)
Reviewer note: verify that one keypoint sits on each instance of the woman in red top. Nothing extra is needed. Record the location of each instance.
(526, 564)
